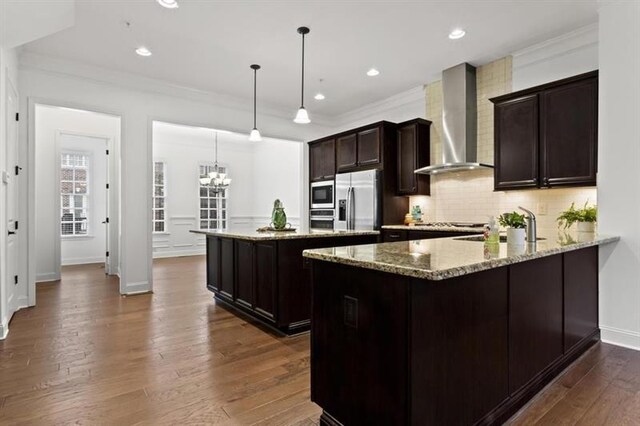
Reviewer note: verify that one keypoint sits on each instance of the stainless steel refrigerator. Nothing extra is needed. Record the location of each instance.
(358, 200)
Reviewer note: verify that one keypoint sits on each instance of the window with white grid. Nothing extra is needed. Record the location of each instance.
(159, 196)
(213, 206)
(74, 194)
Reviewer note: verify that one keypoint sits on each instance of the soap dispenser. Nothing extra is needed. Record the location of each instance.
(493, 231)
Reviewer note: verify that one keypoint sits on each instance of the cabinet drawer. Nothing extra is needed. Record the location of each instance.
(390, 235)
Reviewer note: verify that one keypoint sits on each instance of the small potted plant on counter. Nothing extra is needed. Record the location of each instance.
(515, 224)
(585, 217)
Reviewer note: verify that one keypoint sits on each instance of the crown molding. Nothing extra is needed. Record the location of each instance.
(557, 46)
(414, 96)
(30, 61)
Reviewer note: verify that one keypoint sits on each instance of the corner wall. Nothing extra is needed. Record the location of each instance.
(619, 171)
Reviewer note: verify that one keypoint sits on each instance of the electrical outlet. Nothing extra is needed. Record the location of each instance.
(542, 209)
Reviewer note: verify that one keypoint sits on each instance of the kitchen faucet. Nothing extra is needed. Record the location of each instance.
(531, 225)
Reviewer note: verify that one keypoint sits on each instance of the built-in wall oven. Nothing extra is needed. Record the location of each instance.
(321, 219)
(322, 194)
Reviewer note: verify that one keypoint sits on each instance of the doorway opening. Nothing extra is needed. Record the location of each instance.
(77, 191)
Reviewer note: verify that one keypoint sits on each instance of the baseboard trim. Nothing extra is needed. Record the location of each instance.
(136, 288)
(4, 330)
(619, 337)
(179, 253)
(42, 278)
(82, 261)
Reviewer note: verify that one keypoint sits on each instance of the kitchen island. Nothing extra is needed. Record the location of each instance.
(447, 331)
(262, 274)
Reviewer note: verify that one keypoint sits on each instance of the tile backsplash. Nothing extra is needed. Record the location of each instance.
(469, 196)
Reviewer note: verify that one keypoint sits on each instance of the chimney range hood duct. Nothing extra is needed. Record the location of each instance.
(459, 122)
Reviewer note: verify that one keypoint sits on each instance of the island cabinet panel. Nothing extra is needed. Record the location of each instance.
(580, 296)
(535, 318)
(227, 266)
(359, 327)
(213, 263)
(516, 143)
(459, 358)
(569, 134)
(265, 279)
(244, 273)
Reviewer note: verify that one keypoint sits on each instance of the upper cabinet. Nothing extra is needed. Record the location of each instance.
(360, 149)
(413, 153)
(322, 160)
(546, 136)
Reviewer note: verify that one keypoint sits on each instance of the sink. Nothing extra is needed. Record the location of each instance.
(480, 238)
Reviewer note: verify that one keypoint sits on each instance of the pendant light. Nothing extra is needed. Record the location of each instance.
(302, 117)
(255, 133)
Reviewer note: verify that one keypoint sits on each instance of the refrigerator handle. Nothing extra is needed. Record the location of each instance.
(351, 212)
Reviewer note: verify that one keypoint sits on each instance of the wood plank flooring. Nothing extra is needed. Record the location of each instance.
(86, 355)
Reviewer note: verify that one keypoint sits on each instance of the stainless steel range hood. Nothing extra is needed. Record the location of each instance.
(459, 122)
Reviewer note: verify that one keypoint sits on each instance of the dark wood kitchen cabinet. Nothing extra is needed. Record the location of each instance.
(546, 136)
(268, 279)
(346, 152)
(413, 153)
(411, 233)
(322, 160)
(357, 150)
(580, 296)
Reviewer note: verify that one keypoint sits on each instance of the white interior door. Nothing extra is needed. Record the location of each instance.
(11, 205)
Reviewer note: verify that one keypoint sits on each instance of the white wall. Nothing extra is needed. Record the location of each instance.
(90, 248)
(49, 121)
(8, 72)
(138, 102)
(570, 54)
(619, 171)
(260, 172)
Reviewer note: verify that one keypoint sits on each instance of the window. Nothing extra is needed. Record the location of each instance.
(213, 207)
(159, 197)
(74, 194)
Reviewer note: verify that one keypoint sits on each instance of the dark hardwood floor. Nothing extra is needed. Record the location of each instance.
(86, 355)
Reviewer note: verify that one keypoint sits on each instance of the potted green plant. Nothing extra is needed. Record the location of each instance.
(515, 224)
(585, 217)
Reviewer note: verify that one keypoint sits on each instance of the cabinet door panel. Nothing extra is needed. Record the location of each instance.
(580, 295)
(244, 273)
(535, 318)
(407, 160)
(569, 134)
(516, 147)
(265, 279)
(346, 152)
(227, 271)
(369, 147)
(213, 263)
(315, 162)
(328, 154)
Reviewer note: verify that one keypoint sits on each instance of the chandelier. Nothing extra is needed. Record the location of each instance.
(215, 180)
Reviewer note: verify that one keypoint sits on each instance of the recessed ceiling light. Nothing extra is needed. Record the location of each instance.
(169, 4)
(318, 97)
(143, 51)
(373, 72)
(457, 33)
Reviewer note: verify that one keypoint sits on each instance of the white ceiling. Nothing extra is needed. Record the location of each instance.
(209, 45)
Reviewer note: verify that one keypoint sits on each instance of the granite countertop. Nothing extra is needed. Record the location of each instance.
(427, 228)
(301, 232)
(442, 258)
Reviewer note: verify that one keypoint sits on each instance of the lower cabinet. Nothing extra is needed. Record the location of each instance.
(580, 296)
(268, 279)
(535, 318)
(391, 235)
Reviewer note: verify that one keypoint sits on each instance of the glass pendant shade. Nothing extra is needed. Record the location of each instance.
(205, 181)
(255, 135)
(302, 117)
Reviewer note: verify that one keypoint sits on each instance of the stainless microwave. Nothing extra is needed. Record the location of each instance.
(322, 195)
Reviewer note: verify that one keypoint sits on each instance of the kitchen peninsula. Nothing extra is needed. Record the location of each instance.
(262, 274)
(447, 331)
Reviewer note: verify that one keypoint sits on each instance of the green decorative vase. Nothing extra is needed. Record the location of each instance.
(278, 216)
